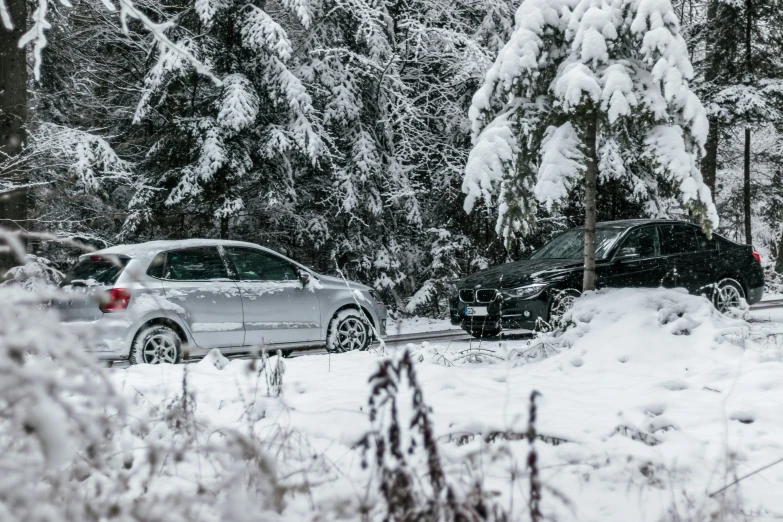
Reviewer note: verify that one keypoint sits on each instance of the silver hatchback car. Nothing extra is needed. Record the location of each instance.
(153, 302)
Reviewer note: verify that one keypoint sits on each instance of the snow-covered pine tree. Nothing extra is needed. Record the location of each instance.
(220, 145)
(742, 86)
(584, 91)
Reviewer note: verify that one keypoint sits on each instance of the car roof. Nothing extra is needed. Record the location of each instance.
(627, 223)
(153, 247)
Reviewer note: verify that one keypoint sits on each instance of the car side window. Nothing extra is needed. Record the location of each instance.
(257, 265)
(704, 243)
(678, 239)
(194, 264)
(158, 266)
(644, 241)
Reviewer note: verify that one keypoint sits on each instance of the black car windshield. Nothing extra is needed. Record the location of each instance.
(571, 244)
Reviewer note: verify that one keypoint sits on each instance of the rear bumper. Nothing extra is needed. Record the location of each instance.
(105, 339)
(754, 295)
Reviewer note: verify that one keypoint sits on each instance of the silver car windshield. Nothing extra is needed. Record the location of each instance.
(571, 244)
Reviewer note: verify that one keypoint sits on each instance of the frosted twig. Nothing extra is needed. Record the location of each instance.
(724, 488)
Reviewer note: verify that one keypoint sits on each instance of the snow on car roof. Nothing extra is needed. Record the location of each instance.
(624, 223)
(140, 249)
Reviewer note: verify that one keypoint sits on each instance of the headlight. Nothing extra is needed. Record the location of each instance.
(524, 292)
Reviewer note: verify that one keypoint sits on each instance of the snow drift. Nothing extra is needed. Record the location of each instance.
(650, 402)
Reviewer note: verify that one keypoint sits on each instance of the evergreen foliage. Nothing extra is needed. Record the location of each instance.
(338, 131)
(582, 85)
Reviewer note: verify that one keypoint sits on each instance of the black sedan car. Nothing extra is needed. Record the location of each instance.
(529, 294)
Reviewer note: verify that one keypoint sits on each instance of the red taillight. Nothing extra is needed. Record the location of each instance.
(115, 300)
(756, 256)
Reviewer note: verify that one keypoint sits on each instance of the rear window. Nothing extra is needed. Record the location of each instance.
(678, 239)
(96, 270)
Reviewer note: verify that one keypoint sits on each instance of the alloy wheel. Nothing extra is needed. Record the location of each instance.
(563, 303)
(159, 348)
(351, 334)
(728, 297)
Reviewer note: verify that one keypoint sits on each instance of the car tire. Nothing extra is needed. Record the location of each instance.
(561, 302)
(157, 344)
(348, 331)
(728, 294)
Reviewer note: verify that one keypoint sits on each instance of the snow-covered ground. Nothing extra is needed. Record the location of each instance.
(649, 403)
(409, 325)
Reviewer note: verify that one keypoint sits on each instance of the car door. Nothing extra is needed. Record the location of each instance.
(683, 260)
(277, 307)
(638, 262)
(706, 273)
(208, 301)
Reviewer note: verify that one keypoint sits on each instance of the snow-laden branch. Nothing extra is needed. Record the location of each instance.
(36, 36)
(128, 10)
(5, 16)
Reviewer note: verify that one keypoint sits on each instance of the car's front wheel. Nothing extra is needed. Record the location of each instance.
(156, 344)
(728, 294)
(562, 301)
(348, 330)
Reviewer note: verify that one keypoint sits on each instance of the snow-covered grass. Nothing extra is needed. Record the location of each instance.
(650, 401)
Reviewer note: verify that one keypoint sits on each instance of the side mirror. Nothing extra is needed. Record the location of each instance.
(304, 277)
(627, 253)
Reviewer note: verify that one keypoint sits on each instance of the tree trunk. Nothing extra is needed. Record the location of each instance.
(709, 163)
(591, 182)
(224, 227)
(749, 67)
(13, 115)
(779, 260)
(746, 189)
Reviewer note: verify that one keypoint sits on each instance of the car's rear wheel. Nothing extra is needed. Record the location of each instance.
(348, 330)
(157, 344)
(728, 294)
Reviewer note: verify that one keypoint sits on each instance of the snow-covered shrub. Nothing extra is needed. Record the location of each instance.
(656, 311)
(36, 273)
(446, 258)
(180, 466)
(425, 300)
(58, 414)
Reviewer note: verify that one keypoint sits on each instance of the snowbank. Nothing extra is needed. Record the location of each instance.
(650, 401)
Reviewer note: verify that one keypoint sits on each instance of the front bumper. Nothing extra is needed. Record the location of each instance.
(504, 313)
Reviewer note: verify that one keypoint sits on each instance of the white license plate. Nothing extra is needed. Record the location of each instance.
(475, 310)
